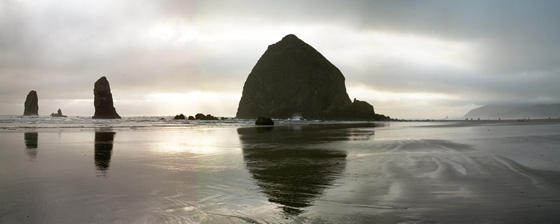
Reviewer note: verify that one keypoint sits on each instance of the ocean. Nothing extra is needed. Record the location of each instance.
(154, 170)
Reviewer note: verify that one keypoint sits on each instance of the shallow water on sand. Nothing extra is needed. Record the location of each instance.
(438, 172)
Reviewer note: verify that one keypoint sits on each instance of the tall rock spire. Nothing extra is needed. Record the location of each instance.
(31, 106)
(103, 100)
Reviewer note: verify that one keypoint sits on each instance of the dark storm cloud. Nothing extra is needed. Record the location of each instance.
(62, 47)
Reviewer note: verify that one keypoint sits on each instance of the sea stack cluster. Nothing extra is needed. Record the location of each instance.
(290, 80)
(199, 116)
(103, 100)
(291, 77)
(58, 114)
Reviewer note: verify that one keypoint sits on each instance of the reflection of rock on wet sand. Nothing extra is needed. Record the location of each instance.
(103, 150)
(31, 139)
(286, 166)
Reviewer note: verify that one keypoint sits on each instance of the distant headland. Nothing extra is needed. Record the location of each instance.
(514, 111)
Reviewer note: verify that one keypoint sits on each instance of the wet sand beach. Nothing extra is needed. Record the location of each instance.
(389, 172)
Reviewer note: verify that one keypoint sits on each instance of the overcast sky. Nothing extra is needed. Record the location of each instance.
(409, 59)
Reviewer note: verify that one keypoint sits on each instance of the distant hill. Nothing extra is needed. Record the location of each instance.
(515, 111)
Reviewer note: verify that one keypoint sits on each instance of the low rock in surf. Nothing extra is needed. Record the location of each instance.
(264, 121)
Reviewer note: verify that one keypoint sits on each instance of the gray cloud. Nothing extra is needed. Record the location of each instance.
(61, 50)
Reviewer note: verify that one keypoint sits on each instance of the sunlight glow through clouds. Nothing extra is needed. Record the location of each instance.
(409, 105)
(364, 93)
(365, 47)
(362, 49)
(362, 46)
(170, 57)
(176, 32)
(219, 104)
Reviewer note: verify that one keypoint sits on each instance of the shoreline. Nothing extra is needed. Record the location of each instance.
(21, 123)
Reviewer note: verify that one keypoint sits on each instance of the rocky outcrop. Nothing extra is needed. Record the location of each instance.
(58, 114)
(31, 105)
(207, 117)
(264, 121)
(292, 77)
(103, 100)
(362, 109)
(179, 117)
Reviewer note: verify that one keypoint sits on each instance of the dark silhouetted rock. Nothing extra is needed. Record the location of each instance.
(31, 106)
(210, 117)
(362, 109)
(264, 121)
(191, 118)
(179, 117)
(381, 117)
(58, 114)
(103, 100)
(199, 116)
(292, 77)
(207, 117)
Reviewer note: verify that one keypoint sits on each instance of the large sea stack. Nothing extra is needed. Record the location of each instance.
(103, 100)
(292, 77)
(31, 106)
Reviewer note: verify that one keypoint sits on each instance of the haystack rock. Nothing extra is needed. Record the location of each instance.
(292, 77)
(103, 100)
(31, 106)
